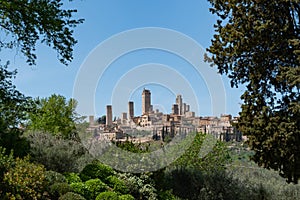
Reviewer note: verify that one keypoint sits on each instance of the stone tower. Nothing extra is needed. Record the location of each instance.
(130, 110)
(179, 103)
(146, 101)
(175, 109)
(108, 115)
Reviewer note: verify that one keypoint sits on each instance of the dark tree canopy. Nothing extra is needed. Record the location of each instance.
(14, 107)
(23, 23)
(257, 44)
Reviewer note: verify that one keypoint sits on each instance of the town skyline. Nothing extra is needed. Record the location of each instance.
(178, 107)
(49, 76)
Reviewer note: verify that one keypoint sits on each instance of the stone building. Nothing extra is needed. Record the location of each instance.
(108, 115)
(146, 102)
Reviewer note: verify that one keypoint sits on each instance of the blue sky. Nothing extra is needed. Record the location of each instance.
(105, 19)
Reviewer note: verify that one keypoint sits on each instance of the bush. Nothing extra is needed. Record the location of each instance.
(54, 177)
(185, 182)
(80, 188)
(72, 177)
(168, 195)
(95, 187)
(126, 197)
(71, 196)
(25, 180)
(117, 185)
(59, 189)
(6, 161)
(95, 170)
(107, 196)
(57, 154)
(140, 187)
(89, 189)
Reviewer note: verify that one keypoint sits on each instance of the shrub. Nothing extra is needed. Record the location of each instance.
(107, 196)
(72, 177)
(59, 189)
(126, 197)
(54, 177)
(185, 182)
(71, 196)
(117, 185)
(96, 170)
(6, 161)
(89, 189)
(25, 180)
(140, 187)
(167, 195)
(80, 188)
(95, 187)
(57, 154)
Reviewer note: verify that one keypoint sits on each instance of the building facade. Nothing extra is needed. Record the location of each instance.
(146, 102)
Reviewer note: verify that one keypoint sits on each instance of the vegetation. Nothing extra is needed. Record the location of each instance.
(28, 22)
(57, 154)
(55, 115)
(257, 44)
(14, 107)
(24, 180)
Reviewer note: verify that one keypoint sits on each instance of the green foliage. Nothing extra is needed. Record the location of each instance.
(117, 185)
(54, 177)
(132, 147)
(25, 180)
(95, 187)
(55, 153)
(96, 170)
(6, 161)
(89, 189)
(80, 188)
(215, 159)
(263, 183)
(184, 182)
(71, 196)
(72, 177)
(54, 115)
(27, 22)
(140, 186)
(257, 45)
(59, 189)
(13, 111)
(167, 195)
(107, 196)
(126, 197)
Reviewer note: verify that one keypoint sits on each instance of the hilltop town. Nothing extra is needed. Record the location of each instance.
(155, 125)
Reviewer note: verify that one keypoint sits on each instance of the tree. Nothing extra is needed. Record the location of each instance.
(14, 107)
(102, 120)
(257, 44)
(55, 115)
(26, 22)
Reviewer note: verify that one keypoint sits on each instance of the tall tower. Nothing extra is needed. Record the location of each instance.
(146, 101)
(130, 110)
(175, 109)
(108, 115)
(179, 103)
